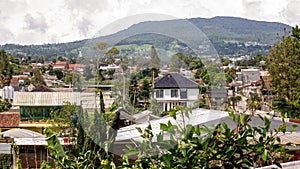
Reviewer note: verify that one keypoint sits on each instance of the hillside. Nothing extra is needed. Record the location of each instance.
(240, 29)
(228, 35)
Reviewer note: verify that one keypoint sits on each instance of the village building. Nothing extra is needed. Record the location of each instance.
(175, 89)
(60, 65)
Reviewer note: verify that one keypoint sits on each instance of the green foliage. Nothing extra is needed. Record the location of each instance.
(203, 75)
(6, 69)
(100, 46)
(17, 155)
(201, 103)
(201, 147)
(88, 72)
(133, 88)
(5, 105)
(65, 116)
(178, 146)
(177, 62)
(90, 145)
(145, 90)
(40, 59)
(229, 74)
(154, 106)
(225, 62)
(180, 60)
(203, 89)
(254, 102)
(5, 160)
(111, 53)
(284, 70)
(155, 61)
(37, 79)
(74, 79)
(234, 100)
(58, 73)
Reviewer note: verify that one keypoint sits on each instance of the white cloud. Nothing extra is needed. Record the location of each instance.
(35, 21)
(291, 12)
(6, 35)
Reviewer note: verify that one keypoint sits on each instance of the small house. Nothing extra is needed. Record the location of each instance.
(175, 89)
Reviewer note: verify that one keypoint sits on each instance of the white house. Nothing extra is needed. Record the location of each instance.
(175, 89)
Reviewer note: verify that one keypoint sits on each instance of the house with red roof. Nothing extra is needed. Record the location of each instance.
(60, 65)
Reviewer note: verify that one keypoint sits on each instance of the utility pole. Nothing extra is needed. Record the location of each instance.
(234, 85)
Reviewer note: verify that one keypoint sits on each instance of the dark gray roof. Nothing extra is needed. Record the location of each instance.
(175, 80)
(42, 89)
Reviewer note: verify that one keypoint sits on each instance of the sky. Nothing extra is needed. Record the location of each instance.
(57, 21)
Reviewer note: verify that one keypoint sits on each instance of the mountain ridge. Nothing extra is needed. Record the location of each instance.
(220, 30)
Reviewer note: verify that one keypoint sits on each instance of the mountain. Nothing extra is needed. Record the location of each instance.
(229, 35)
(240, 29)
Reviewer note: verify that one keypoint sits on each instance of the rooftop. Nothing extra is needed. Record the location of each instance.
(21, 133)
(202, 117)
(175, 80)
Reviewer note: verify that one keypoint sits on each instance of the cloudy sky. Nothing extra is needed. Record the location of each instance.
(52, 21)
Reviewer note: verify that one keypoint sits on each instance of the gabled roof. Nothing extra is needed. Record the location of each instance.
(175, 80)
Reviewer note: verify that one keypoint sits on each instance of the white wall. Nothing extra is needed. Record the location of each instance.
(192, 94)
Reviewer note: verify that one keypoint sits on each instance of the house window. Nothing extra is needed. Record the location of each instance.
(183, 93)
(159, 93)
(174, 93)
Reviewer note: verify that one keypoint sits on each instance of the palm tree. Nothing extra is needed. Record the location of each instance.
(253, 102)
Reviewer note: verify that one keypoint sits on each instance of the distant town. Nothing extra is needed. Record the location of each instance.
(64, 112)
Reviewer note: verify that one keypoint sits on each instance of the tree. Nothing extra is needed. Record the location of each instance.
(255, 60)
(253, 102)
(74, 79)
(6, 70)
(37, 79)
(133, 91)
(100, 46)
(155, 61)
(5, 105)
(40, 59)
(284, 69)
(58, 73)
(111, 53)
(225, 61)
(230, 74)
(88, 72)
(234, 100)
(13, 60)
(154, 106)
(176, 62)
(145, 90)
(87, 150)
(202, 73)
